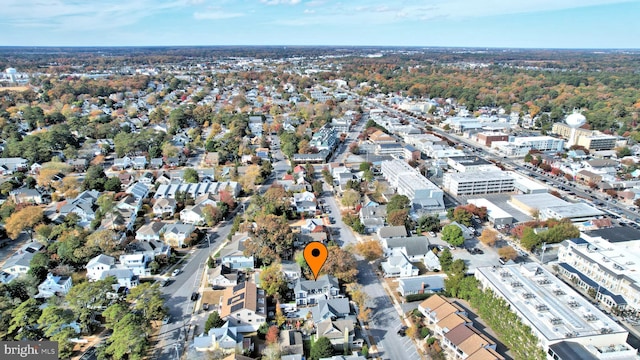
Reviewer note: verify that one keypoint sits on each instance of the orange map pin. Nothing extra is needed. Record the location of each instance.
(315, 253)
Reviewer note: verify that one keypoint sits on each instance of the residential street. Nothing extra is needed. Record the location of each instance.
(178, 295)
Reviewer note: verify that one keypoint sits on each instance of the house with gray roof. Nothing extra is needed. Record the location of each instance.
(176, 234)
(84, 205)
(20, 262)
(290, 342)
(421, 284)
(233, 255)
(99, 264)
(388, 232)
(335, 330)
(26, 196)
(335, 308)
(125, 278)
(397, 265)
(150, 231)
(415, 248)
(54, 285)
(10, 165)
(138, 190)
(309, 292)
(227, 338)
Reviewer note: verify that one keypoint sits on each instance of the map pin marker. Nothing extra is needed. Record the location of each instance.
(315, 253)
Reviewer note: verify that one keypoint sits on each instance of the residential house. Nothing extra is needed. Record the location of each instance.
(176, 235)
(82, 205)
(233, 255)
(416, 248)
(99, 264)
(150, 231)
(450, 322)
(125, 179)
(150, 249)
(26, 196)
(20, 262)
(10, 165)
(436, 308)
(389, 232)
(222, 276)
(291, 270)
(139, 162)
(155, 163)
(373, 217)
(138, 190)
(464, 340)
(226, 338)
(122, 163)
(263, 153)
(124, 278)
(147, 178)
(335, 331)
(290, 342)
(308, 226)
(6, 278)
(137, 263)
(244, 306)
(54, 285)
(336, 308)
(196, 190)
(164, 206)
(79, 165)
(432, 262)
(421, 284)
(305, 202)
(397, 265)
(310, 292)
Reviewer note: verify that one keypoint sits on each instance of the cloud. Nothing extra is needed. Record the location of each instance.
(280, 2)
(309, 11)
(215, 15)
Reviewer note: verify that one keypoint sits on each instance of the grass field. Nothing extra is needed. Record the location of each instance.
(14, 88)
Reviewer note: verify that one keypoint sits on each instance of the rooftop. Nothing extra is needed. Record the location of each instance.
(557, 311)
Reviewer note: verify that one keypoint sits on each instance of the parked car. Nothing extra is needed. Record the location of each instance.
(166, 320)
(205, 306)
(403, 330)
(451, 247)
(194, 296)
(175, 272)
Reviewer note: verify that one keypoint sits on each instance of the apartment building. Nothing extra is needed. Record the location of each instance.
(590, 139)
(610, 269)
(482, 182)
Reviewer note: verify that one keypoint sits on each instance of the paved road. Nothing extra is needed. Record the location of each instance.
(178, 295)
(385, 321)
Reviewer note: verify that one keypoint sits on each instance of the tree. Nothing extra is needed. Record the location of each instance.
(428, 223)
(53, 318)
(341, 264)
(94, 178)
(148, 299)
(272, 280)
(271, 239)
(453, 235)
(529, 239)
(507, 253)
(86, 298)
(214, 321)
(446, 259)
(350, 198)
(114, 313)
(190, 176)
(360, 298)
(129, 338)
(24, 220)
(251, 178)
(39, 266)
(24, 320)
(212, 215)
(104, 241)
(322, 348)
(488, 237)
(460, 215)
(113, 184)
(272, 335)
(371, 249)
(398, 202)
(398, 217)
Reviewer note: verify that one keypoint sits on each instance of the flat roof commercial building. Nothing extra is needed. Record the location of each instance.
(470, 163)
(409, 182)
(551, 207)
(478, 183)
(553, 310)
(495, 214)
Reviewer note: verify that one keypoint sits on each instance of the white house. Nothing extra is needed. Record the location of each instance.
(150, 231)
(124, 278)
(20, 261)
(222, 276)
(309, 292)
(397, 265)
(164, 206)
(233, 255)
(54, 285)
(99, 264)
(226, 338)
(176, 234)
(137, 263)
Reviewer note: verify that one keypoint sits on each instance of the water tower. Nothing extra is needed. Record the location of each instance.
(574, 121)
(11, 74)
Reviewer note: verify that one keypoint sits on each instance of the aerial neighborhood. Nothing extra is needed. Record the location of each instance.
(156, 205)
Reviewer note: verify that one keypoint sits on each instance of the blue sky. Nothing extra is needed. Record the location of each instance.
(477, 23)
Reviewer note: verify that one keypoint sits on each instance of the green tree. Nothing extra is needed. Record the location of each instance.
(429, 223)
(85, 300)
(398, 202)
(114, 313)
(322, 348)
(452, 234)
(39, 266)
(190, 176)
(129, 339)
(529, 239)
(53, 318)
(350, 198)
(113, 184)
(94, 178)
(272, 280)
(214, 321)
(446, 259)
(24, 320)
(147, 298)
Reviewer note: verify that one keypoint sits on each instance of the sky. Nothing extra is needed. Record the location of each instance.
(449, 23)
